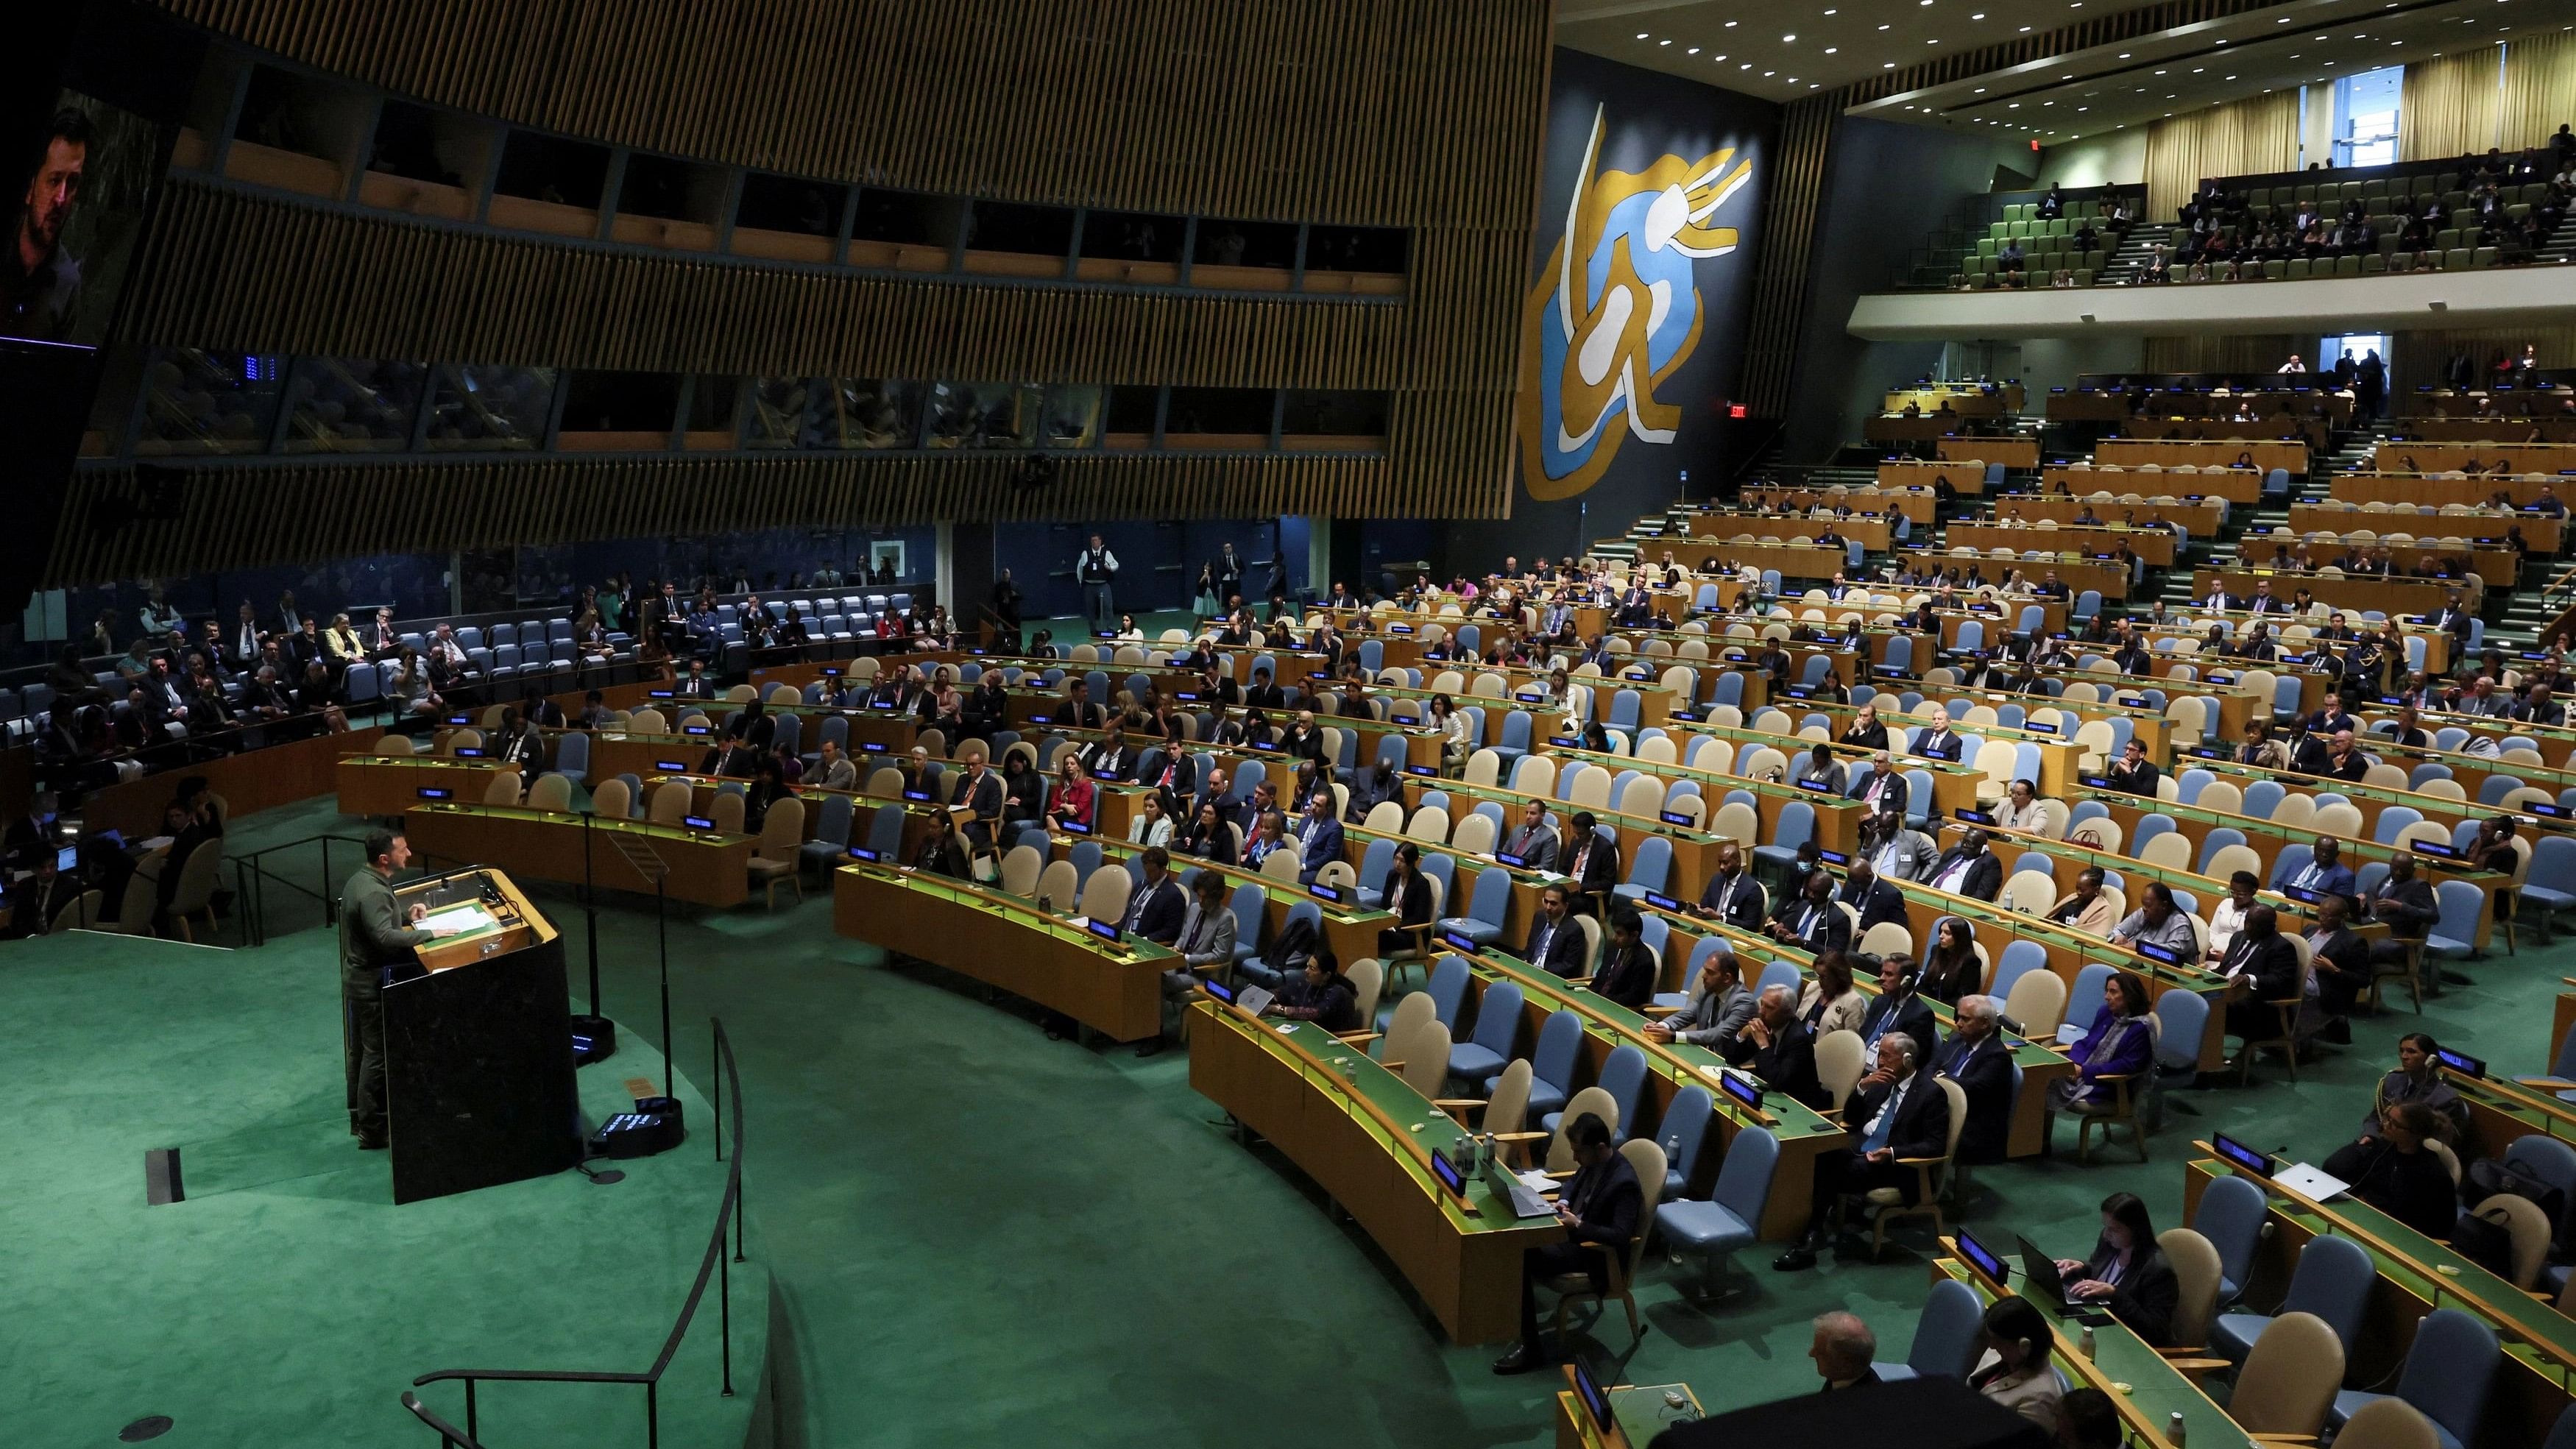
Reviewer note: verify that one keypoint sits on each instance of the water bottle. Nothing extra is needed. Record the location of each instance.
(2173, 1429)
(2085, 1343)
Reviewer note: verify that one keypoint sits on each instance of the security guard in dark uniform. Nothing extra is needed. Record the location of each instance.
(373, 936)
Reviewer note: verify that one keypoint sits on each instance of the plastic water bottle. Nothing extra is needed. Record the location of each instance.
(2173, 1429)
(2085, 1343)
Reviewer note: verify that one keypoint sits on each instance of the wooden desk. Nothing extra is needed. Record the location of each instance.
(2021, 453)
(1872, 533)
(705, 868)
(2313, 432)
(2175, 453)
(2488, 429)
(2399, 594)
(2496, 565)
(1916, 503)
(1356, 1138)
(2491, 458)
(252, 781)
(1794, 561)
(1001, 940)
(2541, 531)
(2155, 545)
(2235, 485)
(2110, 580)
(1966, 477)
(391, 784)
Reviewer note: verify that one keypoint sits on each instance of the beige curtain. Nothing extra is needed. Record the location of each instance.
(2539, 90)
(2200, 352)
(2449, 106)
(2247, 137)
(2419, 358)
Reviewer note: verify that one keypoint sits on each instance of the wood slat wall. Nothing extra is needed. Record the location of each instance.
(1807, 131)
(1393, 112)
(268, 513)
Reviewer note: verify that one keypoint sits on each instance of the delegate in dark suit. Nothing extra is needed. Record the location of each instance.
(1818, 927)
(1594, 864)
(1535, 845)
(374, 935)
(2144, 1294)
(1319, 843)
(1556, 947)
(1981, 878)
(983, 795)
(1909, 1118)
(1982, 1067)
(1156, 911)
(1876, 902)
(1787, 1065)
(2269, 966)
(1905, 1012)
(1735, 899)
(1606, 1202)
(1626, 976)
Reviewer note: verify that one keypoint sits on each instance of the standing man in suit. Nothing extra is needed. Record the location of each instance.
(1716, 1012)
(1968, 869)
(1592, 861)
(1777, 1047)
(1977, 1059)
(2262, 967)
(1599, 1210)
(1732, 895)
(1319, 837)
(1901, 1114)
(1097, 570)
(1156, 910)
(376, 936)
(1533, 841)
(242, 645)
(1556, 942)
(1938, 741)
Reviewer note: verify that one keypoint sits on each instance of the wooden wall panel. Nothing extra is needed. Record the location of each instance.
(246, 515)
(1807, 131)
(1400, 112)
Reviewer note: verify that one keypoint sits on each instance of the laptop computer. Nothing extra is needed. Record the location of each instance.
(2049, 1286)
(1507, 1187)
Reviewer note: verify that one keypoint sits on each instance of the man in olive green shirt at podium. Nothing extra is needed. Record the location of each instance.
(375, 932)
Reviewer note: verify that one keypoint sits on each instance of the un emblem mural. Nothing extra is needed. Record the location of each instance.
(1616, 311)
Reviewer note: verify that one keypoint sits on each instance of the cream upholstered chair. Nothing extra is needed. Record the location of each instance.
(1281, 864)
(503, 790)
(1933, 1174)
(1105, 895)
(1646, 1158)
(2289, 1378)
(1059, 885)
(1338, 874)
(2389, 1423)
(2171, 851)
(2526, 1225)
(669, 804)
(1021, 865)
(885, 782)
(2197, 1272)
(1410, 1012)
(551, 792)
(612, 800)
(1386, 817)
(2038, 1002)
(455, 740)
(1507, 1114)
(1473, 836)
(1590, 1102)
(393, 745)
(1422, 1057)
(1484, 767)
(195, 895)
(1838, 1059)
(775, 858)
(726, 810)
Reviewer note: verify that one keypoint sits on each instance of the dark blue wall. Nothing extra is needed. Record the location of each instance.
(1644, 115)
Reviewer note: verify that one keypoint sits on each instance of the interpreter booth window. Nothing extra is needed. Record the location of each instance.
(490, 409)
(352, 405)
(832, 413)
(1072, 415)
(197, 402)
(2366, 114)
(985, 414)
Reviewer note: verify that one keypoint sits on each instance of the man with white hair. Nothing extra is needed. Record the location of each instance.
(1977, 1058)
(1844, 1351)
(1900, 1114)
(1779, 1048)
(1938, 741)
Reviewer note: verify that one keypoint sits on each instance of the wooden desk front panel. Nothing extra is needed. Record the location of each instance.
(1917, 504)
(375, 785)
(2155, 545)
(2432, 457)
(2175, 453)
(2351, 594)
(2019, 452)
(2236, 485)
(1966, 477)
(1119, 996)
(2542, 531)
(2410, 487)
(713, 871)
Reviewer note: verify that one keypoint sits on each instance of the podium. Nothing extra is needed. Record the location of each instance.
(479, 1086)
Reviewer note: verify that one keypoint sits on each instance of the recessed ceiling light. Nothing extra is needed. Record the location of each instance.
(1890, 65)
(1788, 40)
(1641, 35)
(1663, 42)
(2012, 105)
(1730, 25)
(1766, 75)
(1980, 15)
(2124, 55)
(2231, 77)
(1694, 50)
(1830, 49)
(1717, 57)
(1981, 90)
(2083, 108)
(1748, 65)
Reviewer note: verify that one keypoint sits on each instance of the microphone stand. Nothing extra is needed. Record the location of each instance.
(590, 909)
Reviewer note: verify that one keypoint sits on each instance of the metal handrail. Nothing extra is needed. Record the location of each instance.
(250, 882)
(715, 1261)
(450, 1437)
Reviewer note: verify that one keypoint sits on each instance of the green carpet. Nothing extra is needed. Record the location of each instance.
(287, 1300)
(978, 1234)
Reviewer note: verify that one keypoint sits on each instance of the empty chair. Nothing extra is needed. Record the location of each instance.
(1623, 1076)
(2332, 1282)
(1552, 1061)
(1498, 1024)
(2448, 1371)
(1946, 1332)
(2232, 1218)
(2291, 1374)
(1731, 1217)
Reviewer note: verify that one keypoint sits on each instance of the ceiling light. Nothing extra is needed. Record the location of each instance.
(2124, 55)
(1730, 25)
(1766, 75)
(1882, 27)
(1663, 42)
(2012, 105)
(2024, 30)
(1694, 50)
(1788, 40)
(1830, 49)
(2083, 108)
(1748, 65)
(1641, 35)
(2160, 72)
(1717, 57)
(1981, 90)
(1980, 15)
(1890, 65)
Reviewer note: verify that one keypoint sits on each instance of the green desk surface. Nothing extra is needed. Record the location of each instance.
(2155, 1388)
(2365, 850)
(572, 819)
(1118, 852)
(1002, 903)
(1322, 1059)
(1615, 763)
(1641, 1411)
(2532, 1330)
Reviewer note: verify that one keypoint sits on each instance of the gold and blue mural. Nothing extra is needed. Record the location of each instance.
(1617, 310)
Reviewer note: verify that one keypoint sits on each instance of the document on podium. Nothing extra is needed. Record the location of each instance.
(457, 920)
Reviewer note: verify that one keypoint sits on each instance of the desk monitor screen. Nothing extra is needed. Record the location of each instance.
(1662, 902)
(872, 747)
(67, 858)
(1447, 1171)
(2465, 1065)
(1325, 893)
(1983, 1259)
(1514, 861)
(460, 719)
(2301, 894)
(1976, 817)
(1453, 939)
(435, 792)
(473, 752)
(1073, 827)
(676, 767)
(861, 852)
(918, 797)
(1833, 857)
(2555, 812)
(1529, 696)
(1565, 742)
(1595, 1402)
(2435, 849)
(1105, 930)
(1422, 770)
(1217, 989)
(1675, 817)
(697, 729)
(697, 822)
(1821, 787)
(2258, 1163)
(1190, 696)
(1742, 1088)
(1399, 628)
(661, 694)
(831, 671)
(2039, 727)
(2158, 951)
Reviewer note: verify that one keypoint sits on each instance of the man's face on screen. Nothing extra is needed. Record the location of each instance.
(51, 192)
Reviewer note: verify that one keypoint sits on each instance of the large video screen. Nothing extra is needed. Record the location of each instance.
(79, 194)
